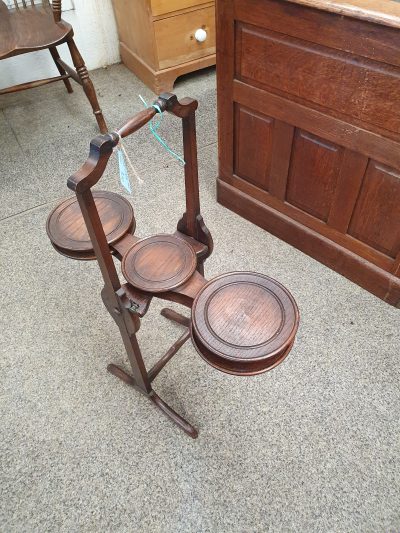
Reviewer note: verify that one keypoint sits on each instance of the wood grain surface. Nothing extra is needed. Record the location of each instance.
(157, 38)
(159, 263)
(244, 321)
(309, 131)
(67, 230)
(386, 12)
(29, 27)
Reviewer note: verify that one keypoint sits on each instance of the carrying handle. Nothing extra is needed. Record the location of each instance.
(136, 122)
(140, 119)
(165, 102)
(90, 173)
(102, 146)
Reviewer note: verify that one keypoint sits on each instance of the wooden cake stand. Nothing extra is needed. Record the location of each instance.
(242, 323)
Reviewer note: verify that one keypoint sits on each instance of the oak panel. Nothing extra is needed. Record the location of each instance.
(281, 151)
(313, 243)
(315, 74)
(348, 186)
(331, 84)
(376, 217)
(255, 130)
(344, 133)
(315, 165)
(308, 221)
(338, 33)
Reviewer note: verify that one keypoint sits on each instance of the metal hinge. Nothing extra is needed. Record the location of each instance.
(134, 307)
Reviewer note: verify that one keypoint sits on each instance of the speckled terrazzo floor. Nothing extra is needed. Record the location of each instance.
(312, 446)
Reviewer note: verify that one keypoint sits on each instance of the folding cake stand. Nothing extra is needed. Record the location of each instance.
(242, 323)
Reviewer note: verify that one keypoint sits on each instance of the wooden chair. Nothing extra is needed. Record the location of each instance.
(242, 323)
(28, 27)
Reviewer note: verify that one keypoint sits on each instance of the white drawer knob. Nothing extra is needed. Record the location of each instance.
(200, 35)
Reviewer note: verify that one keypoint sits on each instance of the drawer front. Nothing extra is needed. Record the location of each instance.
(175, 38)
(363, 90)
(162, 7)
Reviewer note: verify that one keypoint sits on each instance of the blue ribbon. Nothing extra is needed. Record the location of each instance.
(154, 125)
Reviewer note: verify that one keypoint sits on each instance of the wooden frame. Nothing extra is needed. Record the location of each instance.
(125, 303)
(157, 39)
(252, 317)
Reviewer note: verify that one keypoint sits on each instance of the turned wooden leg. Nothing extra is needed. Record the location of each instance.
(172, 315)
(87, 84)
(55, 55)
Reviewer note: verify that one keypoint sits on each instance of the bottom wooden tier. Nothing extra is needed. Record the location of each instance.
(244, 323)
(357, 269)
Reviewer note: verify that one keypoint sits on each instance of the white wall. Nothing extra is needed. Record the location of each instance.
(95, 34)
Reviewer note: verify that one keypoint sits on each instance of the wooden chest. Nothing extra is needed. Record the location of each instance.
(309, 129)
(163, 39)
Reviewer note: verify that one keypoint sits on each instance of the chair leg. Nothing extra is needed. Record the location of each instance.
(87, 84)
(55, 55)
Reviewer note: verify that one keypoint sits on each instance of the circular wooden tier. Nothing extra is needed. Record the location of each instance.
(244, 323)
(67, 229)
(159, 263)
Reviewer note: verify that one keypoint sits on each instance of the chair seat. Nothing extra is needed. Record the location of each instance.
(244, 323)
(67, 231)
(159, 263)
(29, 29)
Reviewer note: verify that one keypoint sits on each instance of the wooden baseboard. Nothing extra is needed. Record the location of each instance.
(369, 276)
(161, 80)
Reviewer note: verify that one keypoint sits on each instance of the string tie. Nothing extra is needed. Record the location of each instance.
(154, 126)
(123, 156)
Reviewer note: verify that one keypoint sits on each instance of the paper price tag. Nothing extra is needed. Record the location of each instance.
(123, 171)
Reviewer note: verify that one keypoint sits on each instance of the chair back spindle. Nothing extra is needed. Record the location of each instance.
(56, 6)
(31, 25)
(18, 4)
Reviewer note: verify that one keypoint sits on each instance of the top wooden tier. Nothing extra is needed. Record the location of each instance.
(385, 12)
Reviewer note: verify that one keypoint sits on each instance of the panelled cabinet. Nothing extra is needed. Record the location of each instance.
(309, 129)
(163, 39)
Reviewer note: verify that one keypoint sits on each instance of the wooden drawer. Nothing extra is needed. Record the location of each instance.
(157, 38)
(162, 7)
(315, 74)
(175, 39)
